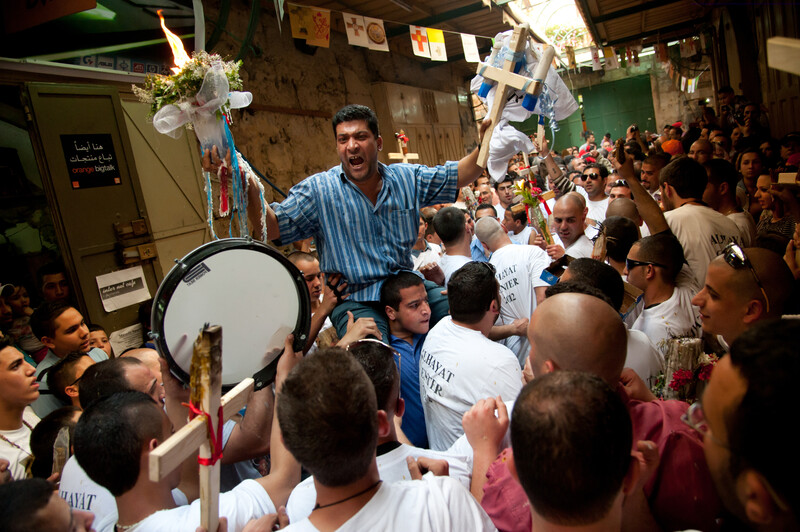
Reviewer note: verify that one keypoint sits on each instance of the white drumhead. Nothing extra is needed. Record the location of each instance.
(253, 296)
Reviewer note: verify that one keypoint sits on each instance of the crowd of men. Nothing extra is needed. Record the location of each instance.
(464, 370)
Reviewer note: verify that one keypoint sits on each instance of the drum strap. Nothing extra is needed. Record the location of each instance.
(214, 440)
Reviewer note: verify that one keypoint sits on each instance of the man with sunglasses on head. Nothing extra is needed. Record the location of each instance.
(744, 418)
(742, 287)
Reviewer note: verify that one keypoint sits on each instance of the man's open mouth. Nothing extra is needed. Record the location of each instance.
(356, 161)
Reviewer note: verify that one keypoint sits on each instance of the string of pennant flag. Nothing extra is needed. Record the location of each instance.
(313, 24)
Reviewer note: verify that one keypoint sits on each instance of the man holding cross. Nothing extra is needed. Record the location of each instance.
(364, 214)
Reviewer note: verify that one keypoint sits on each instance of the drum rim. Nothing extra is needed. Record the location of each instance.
(182, 266)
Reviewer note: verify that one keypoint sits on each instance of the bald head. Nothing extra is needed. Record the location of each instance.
(701, 151)
(597, 345)
(490, 232)
(772, 271)
(571, 200)
(148, 357)
(626, 208)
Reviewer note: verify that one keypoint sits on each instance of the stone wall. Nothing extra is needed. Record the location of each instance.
(288, 147)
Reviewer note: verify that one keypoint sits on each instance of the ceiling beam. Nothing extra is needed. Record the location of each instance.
(441, 17)
(688, 25)
(646, 6)
(583, 8)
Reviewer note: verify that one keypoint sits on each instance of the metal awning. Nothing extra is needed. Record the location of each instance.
(614, 23)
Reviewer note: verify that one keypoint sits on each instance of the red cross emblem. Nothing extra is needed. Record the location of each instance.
(421, 39)
(355, 26)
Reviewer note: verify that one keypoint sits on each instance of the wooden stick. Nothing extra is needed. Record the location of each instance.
(206, 387)
(185, 442)
(517, 44)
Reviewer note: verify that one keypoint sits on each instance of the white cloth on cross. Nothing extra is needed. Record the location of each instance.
(554, 91)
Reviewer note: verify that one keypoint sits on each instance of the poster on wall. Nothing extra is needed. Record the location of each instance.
(122, 288)
(91, 160)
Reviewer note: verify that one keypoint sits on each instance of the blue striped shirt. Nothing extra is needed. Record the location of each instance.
(363, 241)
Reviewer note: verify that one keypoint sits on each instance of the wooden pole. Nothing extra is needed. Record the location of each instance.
(206, 387)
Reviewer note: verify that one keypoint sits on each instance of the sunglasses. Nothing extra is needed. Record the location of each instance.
(590, 175)
(736, 259)
(619, 183)
(631, 264)
(392, 351)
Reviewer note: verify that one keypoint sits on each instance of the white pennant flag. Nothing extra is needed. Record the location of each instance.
(356, 30)
(376, 34)
(596, 65)
(470, 45)
(419, 41)
(436, 42)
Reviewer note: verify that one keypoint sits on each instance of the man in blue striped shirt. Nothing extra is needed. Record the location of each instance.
(364, 215)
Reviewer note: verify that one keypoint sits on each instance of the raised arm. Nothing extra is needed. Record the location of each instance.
(468, 169)
(647, 206)
(559, 178)
(284, 474)
(211, 163)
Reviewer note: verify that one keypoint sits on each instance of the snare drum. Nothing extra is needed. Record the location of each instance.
(251, 290)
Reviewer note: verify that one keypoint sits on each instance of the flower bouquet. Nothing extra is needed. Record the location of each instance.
(531, 198)
(199, 96)
(687, 370)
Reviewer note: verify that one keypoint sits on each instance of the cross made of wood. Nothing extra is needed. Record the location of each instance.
(402, 145)
(506, 80)
(201, 431)
(355, 26)
(421, 39)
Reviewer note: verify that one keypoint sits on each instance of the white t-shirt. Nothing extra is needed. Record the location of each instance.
(501, 211)
(82, 493)
(450, 265)
(249, 500)
(597, 209)
(20, 455)
(392, 467)
(429, 255)
(581, 248)
(519, 271)
(643, 357)
(703, 233)
(427, 505)
(457, 367)
(523, 237)
(674, 318)
(744, 221)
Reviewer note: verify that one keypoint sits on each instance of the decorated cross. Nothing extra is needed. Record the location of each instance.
(420, 38)
(204, 431)
(355, 26)
(506, 79)
(402, 145)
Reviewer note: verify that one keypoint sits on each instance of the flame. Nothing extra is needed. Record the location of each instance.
(178, 52)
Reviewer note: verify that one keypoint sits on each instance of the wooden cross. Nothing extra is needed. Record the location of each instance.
(355, 26)
(421, 39)
(402, 146)
(506, 80)
(206, 388)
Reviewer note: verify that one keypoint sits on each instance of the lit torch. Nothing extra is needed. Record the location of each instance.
(178, 52)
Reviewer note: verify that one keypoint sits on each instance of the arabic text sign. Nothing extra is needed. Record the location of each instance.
(91, 160)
